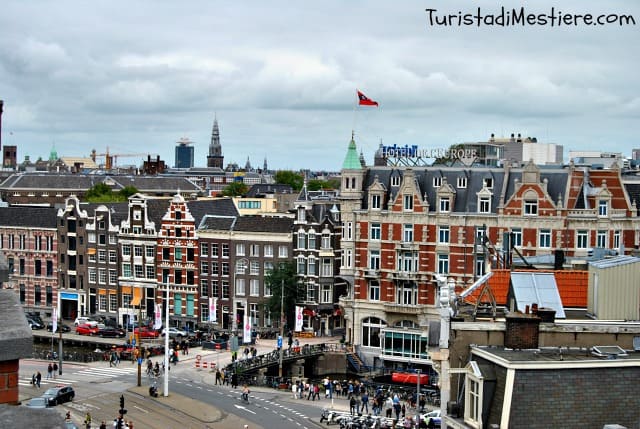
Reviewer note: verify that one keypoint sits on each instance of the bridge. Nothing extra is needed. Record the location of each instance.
(273, 358)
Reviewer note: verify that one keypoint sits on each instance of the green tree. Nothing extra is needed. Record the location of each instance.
(235, 189)
(287, 177)
(316, 185)
(127, 191)
(283, 278)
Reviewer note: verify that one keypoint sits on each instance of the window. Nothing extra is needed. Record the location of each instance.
(437, 182)
(177, 303)
(38, 242)
(311, 237)
(38, 267)
(601, 239)
(214, 268)
(407, 293)
(407, 233)
(239, 286)
(225, 289)
(150, 251)
(126, 269)
(326, 294)
(374, 259)
(445, 205)
(443, 234)
(151, 271)
(268, 251)
(473, 400)
(516, 237)
(254, 268)
(376, 230)
(225, 268)
(254, 287)
(49, 244)
(616, 239)
(37, 295)
(241, 266)
(371, 327)
(126, 250)
(166, 253)
(408, 262)
(348, 258)
(92, 275)
(480, 269)
(178, 232)
(204, 312)
(214, 249)
(102, 302)
(484, 205)
(301, 265)
(311, 269)
(462, 182)
(302, 240)
(326, 267)
(113, 302)
(374, 290)
(102, 276)
(544, 238)
(102, 240)
(582, 240)
(602, 207)
(301, 214)
(225, 250)
(530, 207)
(191, 254)
(376, 202)
(102, 255)
(349, 231)
(177, 277)
(395, 181)
(407, 204)
(268, 267)
(91, 237)
(137, 251)
(443, 264)
(488, 182)
(113, 277)
(178, 254)
(254, 250)
(240, 249)
(113, 257)
(326, 240)
(283, 252)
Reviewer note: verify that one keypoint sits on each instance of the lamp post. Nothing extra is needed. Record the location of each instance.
(59, 315)
(418, 398)
(281, 327)
(139, 340)
(166, 343)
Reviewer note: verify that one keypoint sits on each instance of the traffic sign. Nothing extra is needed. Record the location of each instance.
(133, 342)
(139, 361)
(279, 341)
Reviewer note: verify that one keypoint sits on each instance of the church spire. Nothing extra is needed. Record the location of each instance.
(215, 158)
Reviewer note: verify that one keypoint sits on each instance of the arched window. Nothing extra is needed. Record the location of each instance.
(371, 327)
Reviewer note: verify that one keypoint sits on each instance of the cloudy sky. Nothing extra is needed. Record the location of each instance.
(281, 76)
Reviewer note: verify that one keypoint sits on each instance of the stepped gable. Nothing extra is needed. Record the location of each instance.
(26, 216)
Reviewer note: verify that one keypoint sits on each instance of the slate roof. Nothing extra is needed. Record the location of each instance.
(54, 181)
(268, 224)
(221, 207)
(633, 190)
(217, 223)
(260, 189)
(27, 216)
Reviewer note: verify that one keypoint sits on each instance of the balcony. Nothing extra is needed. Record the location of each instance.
(407, 245)
(371, 273)
(392, 307)
(405, 275)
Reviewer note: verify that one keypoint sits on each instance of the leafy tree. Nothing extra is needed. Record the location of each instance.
(102, 193)
(287, 177)
(235, 189)
(316, 185)
(283, 278)
(127, 191)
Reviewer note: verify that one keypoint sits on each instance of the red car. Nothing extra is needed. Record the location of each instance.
(146, 333)
(86, 329)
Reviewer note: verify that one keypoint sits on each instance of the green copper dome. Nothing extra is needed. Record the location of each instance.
(352, 160)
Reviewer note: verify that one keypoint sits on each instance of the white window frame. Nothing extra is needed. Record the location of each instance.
(444, 205)
(444, 234)
(407, 202)
(376, 201)
(544, 238)
(530, 207)
(376, 231)
(582, 239)
(602, 238)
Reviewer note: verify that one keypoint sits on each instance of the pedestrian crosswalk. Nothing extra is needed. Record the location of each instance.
(85, 374)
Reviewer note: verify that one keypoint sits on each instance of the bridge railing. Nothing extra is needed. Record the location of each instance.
(273, 357)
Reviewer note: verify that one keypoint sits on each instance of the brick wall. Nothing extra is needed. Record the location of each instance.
(9, 381)
(521, 331)
(576, 398)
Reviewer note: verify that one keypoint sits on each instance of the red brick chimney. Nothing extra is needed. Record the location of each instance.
(521, 331)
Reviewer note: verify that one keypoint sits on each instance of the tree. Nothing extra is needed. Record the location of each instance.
(316, 185)
(287, 177)
(127, 191)
(283, 278)
(102, 193)
(235, 189)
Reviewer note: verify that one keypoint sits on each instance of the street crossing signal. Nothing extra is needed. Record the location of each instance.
(122, 402)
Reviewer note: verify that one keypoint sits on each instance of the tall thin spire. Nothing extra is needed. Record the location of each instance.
(215, 158)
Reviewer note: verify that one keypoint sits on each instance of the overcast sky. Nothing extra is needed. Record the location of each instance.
(281, 76)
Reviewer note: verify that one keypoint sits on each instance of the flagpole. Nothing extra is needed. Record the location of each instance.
(355, 109)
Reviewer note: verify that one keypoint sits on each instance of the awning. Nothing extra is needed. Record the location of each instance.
(91, 251)
(308, 312)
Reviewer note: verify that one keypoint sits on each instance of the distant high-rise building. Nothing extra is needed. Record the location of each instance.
(215, 158)
(184, 153)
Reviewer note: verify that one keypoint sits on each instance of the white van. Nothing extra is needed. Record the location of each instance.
(82, 320)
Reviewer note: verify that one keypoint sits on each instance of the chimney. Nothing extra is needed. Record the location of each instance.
(521, 331)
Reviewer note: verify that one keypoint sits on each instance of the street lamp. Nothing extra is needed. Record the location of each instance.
(245, 264)
(281, 327)
(166, 343)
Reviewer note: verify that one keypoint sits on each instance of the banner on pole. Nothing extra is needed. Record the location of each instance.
(299, 319)
(213, 304)
(246, 334)
(54, 321)
(157, 324)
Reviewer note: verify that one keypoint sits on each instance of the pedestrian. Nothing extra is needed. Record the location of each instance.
(87, 421)
(49, 371)
(294, 390)
(316, 391)
(130, 424)
(353, 406)
(234, 380)
(38, 379)
(365, 402)
(103, 425)
(33, 379)
(218, 376)
(55, 369)
(404, 411)
(67, 417)
(310, 394)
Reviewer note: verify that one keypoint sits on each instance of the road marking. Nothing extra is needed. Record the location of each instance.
(141, 409)
(243, 408)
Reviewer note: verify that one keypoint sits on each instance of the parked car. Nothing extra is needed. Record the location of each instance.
(59, 394)
(87, 329)
(61, 327)
(112, 332)
(174, 332)
(34, 316)
(145, 332)
(37, 403)
(84, 320)
(34, 324)
(432, 419)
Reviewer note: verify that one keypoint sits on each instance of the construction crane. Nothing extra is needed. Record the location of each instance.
(111, 159)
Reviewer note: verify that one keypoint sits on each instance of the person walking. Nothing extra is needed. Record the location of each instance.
(49, 371)
(55, 369)
(353, 406)
(87, 421)
(294, 390)
(38, 379)
(103, 425)
(365, 402)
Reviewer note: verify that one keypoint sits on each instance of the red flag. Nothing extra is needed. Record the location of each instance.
(364, 101)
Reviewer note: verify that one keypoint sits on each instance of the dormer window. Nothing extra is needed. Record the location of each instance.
(301, 216)
(484, 205)
(603, 207)
(488, 182)
(376, 202)
(407, 203)
(462, 182)
(445, 205)
(395, 181)
(437, 182)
